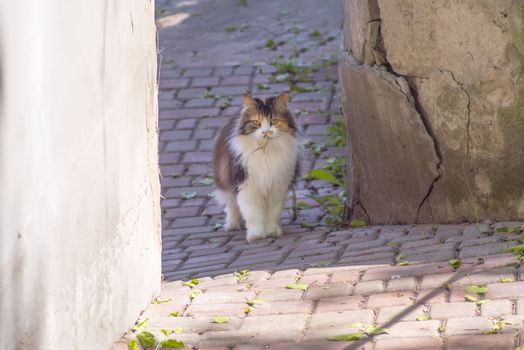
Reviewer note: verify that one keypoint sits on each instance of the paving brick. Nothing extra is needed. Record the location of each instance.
(467, 325)
(197, 157)
(459, 309)
(345, 303)
(399, 284)
(496, 308)
(272, 324)
(369, 287)
(197, 72)
(345, 277)
(485, 249)
(226, 297)
(312, 344)
(281, 294)
(229, 90)
(328, 291)
(193, 324)
(505, 290)
(377, 301)
(236, 80)
(282, 307)
(468, 277)
(341, 318)
(227, 310)
(181, 146)
(173, 83)
(200, 102)
(400, 313)
(418, 343)
(432, 296)
(476, 342)
(387, 273)
(520, 306)
(204, 81)
(411, 329)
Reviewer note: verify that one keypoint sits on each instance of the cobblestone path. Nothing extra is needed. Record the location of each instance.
(430, 286)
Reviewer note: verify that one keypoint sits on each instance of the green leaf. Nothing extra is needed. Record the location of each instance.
(403, 263)
(172, 344)
(132, 345)
(220, 319)
(252, 302)
(422, 317)
(303, 205)
(142, 324)
(175, 314)
(191, 283)
(261, 86)
(297, 286)
(518, 249)
(315, 34)
(165, 332)
(159, 300)
(207, 181)
(320, 174)
(195, 293)
(480, 302)
(347, 337)
(270, 44)
(359, 325)
(470, 298)
(477, 289)
(357, 223)
(393, 244)
(177, 330)
(248, 309)
(506, 229)
(372, 330)
(506, 280)
(146, 339)
(455, 263)
(189, 195)
(446, 286)
(231, 28)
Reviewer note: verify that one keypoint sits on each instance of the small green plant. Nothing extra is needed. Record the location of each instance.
(455, 263)
(192, 283)
(506, 229)
(357, 223)
(363, 329)
(497, 325)
(231, 28)
(220, 319)
(297, 286)
(241, 275)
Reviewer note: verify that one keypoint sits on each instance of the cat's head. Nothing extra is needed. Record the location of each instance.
(268, 118)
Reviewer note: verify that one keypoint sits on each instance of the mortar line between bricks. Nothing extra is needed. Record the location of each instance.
(308, 321)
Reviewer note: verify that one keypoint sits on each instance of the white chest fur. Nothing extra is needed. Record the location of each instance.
(267, 168)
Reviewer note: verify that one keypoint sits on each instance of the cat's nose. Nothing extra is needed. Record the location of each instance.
(267, 133)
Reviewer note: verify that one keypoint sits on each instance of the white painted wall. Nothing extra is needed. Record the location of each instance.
(79, 191)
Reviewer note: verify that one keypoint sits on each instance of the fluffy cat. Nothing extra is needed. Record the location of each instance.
(255, 161)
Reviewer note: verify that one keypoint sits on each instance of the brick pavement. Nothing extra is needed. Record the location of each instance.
(397, 277)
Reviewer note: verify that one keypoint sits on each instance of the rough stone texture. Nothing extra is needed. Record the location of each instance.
(460, 65)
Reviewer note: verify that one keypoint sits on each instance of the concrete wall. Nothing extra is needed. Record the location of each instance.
(79, 204)
(433, 92)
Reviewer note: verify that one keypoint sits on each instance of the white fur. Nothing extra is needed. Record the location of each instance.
(270, 171)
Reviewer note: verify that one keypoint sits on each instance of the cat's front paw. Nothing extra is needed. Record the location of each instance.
(255, 235)
(232, 226)
(274, 231)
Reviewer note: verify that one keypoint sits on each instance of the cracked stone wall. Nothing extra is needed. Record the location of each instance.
(433, 93)
(79, 205)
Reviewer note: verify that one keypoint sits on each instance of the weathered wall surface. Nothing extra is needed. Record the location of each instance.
(457, 152)
(79, 204)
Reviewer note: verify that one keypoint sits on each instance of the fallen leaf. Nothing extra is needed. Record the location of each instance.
(477, 289)
(423, 317)
(132, 345)
(455, 263)
(347, 337)
(297, 286)
(146, 339)
(220, 319)
(188, 195)
(172, 344)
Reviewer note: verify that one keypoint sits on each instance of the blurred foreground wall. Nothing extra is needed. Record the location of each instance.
(433, 93)
(79, 191)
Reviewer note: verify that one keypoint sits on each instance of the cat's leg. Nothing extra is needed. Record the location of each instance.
(275, 204)
(253, 209)
(233, 216)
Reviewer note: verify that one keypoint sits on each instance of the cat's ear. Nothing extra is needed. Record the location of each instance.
(282, 100)
(248, 101)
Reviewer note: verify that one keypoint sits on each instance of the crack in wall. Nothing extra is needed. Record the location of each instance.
(413, 98)
(468, 108)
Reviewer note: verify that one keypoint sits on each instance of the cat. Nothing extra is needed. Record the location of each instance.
(255, 161)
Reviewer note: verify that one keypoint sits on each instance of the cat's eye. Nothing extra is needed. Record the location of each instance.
(255, 123)
(275, 122)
